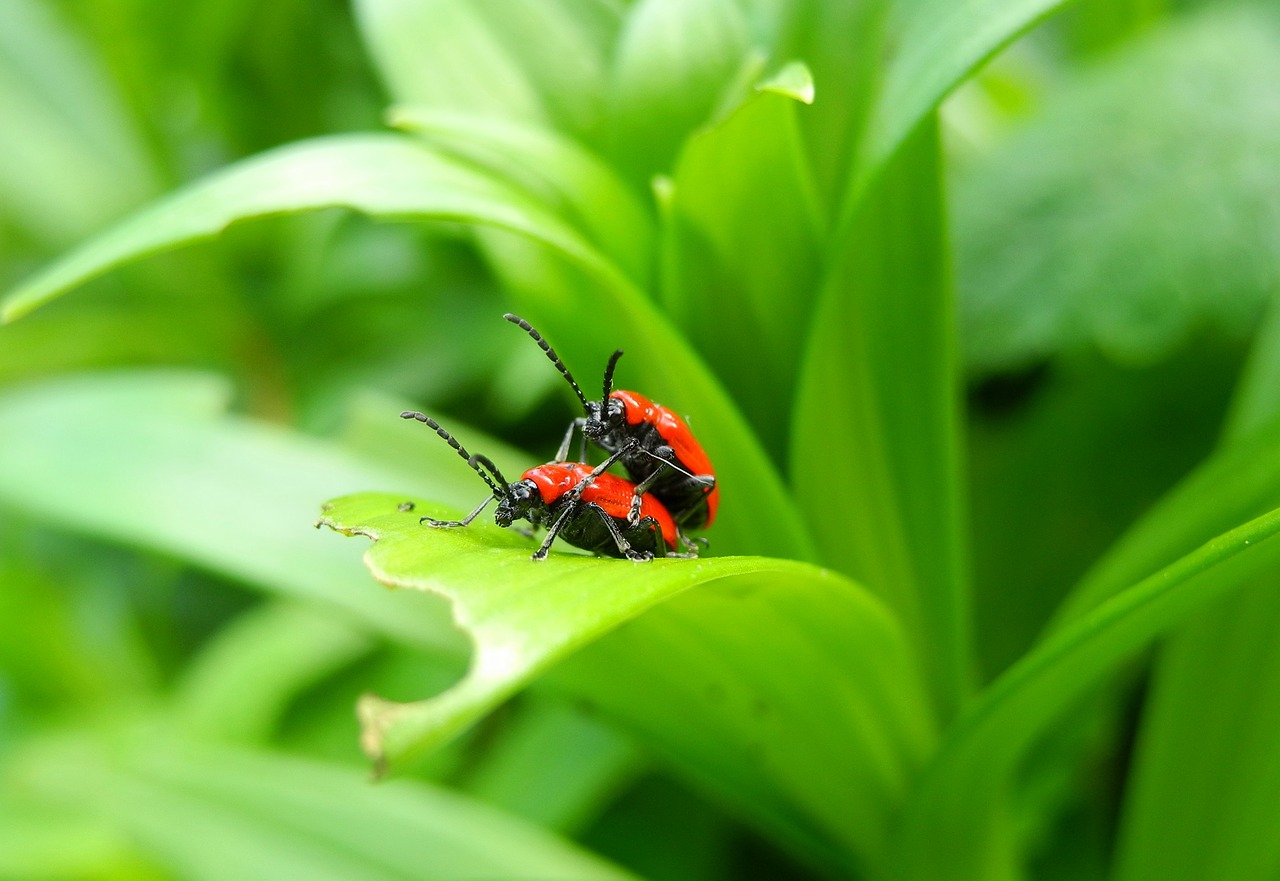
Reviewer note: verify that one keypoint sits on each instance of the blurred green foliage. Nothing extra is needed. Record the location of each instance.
(992, 593)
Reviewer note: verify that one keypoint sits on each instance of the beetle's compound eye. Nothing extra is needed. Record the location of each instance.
(617, 412)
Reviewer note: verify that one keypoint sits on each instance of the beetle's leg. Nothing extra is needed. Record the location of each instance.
(689, 544)
(541, 552)
(446, 524)
(619, 539)
(572, 499)
(568, 440)
(707, 480)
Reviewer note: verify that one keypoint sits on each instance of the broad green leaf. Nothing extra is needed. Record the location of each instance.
(1105, 428)
(675, 61)
(1256, 402)
(742, 234)
(1207, 735)
(41, 845)
(554, 171)
(1155, 226)
(824, 759)
(931, 45)
(554, 765)
(208, 812)
(142, 327)
(1098, 25)
(843, 43)
(1241, 481)
(875, 452)
(527, 62)
(239, 686)
(149, 459)
(384, 175)
(953, 826)
(1205, 787)
(69, 157)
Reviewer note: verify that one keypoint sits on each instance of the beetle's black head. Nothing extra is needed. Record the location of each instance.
(607, 415)
(604, 418)
(517, 503)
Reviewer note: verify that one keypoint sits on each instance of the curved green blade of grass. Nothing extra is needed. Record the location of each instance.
(959, 798)
(212, 812)
(553, 169)
(827, 754)
(1239, 482)
(150, 459)
(741, 262)
(931, 46)
(673, 63)
(876, 446)
(478, 56)
(388, 176)
(394, 177)
(70, 157)
(1208, 738)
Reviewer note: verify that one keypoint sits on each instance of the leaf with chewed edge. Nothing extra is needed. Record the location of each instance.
(824, 758)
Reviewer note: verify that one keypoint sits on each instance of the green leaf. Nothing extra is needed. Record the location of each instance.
(932, 45)
(396, 178)
(875, 452)
(1256, 403)
(480, 57)
(1205, 788)
(675, 61)
(553, 171)
(1240, 482)
(842, 42)
(1098, 25)
(960, 797)
(1156, 226)
(741, 263)
(554, 765)
(70, 158)
(209, 812)
(149, 459)
(385, 175)
(238, 687)
(707, 674)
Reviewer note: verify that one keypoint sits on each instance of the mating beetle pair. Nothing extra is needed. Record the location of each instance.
(672, 484)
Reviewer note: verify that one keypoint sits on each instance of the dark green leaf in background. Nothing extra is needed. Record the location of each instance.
(1138, 211)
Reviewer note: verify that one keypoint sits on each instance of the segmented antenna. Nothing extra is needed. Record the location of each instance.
(551, 353)
(459, 448)
(608, 377)
(493, 469)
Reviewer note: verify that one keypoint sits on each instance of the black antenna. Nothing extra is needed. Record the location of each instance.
(461, 450)
(493, 469)
(551, 353)
(608, 377)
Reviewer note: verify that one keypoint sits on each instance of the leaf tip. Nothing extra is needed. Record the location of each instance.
(794, 80)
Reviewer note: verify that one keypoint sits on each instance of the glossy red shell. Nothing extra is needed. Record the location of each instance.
(676, 433)
(610, 492)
